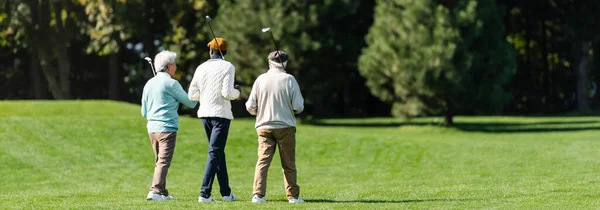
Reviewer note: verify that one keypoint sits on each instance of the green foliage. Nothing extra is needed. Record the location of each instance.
(104, 28)
(581, 19)
(6, 32)
(407, 49)
(323, 38)
(46, 30)
(133, 29)
(489, 59)
(187, 34)
(240, 23)
(429, 58)
(11, 20)
(548, 36)
(424, 57)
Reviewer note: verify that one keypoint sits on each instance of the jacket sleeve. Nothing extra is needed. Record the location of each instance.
(179, 94)
(144, 103)
(227, 90)
(297, 99)
(194, 90)
(252, 103)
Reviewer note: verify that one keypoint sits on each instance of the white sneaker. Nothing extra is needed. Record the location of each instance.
(156, 197)
(209, 199)
(296, 200)
(257, 199)
(231, 197)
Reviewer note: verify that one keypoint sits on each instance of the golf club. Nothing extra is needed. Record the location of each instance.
(265, 30)
(213, 33)
(152, 66)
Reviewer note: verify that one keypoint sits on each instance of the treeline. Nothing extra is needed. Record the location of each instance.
(351, 58)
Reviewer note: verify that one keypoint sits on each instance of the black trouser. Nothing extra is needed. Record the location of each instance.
(216, 130)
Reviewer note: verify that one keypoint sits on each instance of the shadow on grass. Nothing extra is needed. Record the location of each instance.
(483, 126)
(386, 201)
(537, 127)
(364, 124)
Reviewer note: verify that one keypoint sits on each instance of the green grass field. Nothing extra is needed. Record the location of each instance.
(96, 155)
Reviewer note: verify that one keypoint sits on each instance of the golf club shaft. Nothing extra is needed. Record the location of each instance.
(213, 33)
(152, 67)
(277, 48)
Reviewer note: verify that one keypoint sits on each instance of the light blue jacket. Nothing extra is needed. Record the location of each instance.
(160, 101)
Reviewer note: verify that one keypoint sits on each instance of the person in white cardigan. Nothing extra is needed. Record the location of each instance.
(274, 99)
(213, 86)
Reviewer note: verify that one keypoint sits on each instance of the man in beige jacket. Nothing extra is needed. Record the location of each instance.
(274, 99)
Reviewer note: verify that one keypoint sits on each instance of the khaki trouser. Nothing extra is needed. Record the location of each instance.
(163, 145)
(268, 139)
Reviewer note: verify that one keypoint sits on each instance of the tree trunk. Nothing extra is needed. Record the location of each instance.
(347, 100)
(62, 55)
(449, 116)
(44, 46)
(50, 74)
(546, 67)
(583, 101)
(449, 119)
(36, 80)
(113, 77)
(64, 70)
(596, 70)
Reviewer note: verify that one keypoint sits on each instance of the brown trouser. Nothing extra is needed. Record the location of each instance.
(163, 145)
(268, 139)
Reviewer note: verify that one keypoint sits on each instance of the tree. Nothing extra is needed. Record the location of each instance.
(553, 60)
(174, 25)
(428, 58)
(47, 29)
(544, 83)
(112, 25)
(11, 76)
(582, 22)
(109, 25)
(323, 38)
(188, 34)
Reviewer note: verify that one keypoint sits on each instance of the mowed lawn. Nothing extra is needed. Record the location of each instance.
(96, 155)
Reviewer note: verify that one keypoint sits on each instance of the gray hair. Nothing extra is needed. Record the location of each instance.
(162, 59)
(276, 58)
(277, 55)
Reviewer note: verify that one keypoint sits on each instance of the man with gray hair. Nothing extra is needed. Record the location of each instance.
(160, 102)
(274, 99)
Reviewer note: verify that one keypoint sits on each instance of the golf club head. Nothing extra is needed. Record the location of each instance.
(208, 18)
(151, 66)
(265, 30)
